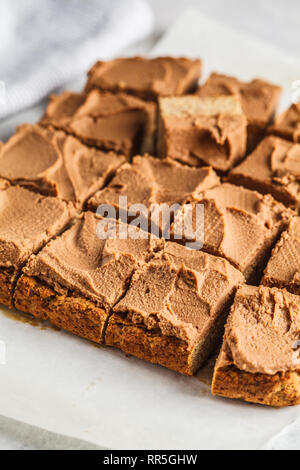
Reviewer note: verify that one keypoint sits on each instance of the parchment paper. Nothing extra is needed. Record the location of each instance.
(67, 385)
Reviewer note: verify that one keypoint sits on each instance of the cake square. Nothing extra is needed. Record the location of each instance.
(55, 164)
(287, 124)
(153, 182)
(146, 78)
(273, 167)
(174, 309)
(121, 123)
(259, 100)
(78, 277)
(202, 131)
(259, 361)
(27, 222)
(283, 268)
(240, 225)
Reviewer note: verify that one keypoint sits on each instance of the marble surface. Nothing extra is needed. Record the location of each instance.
(274, 21)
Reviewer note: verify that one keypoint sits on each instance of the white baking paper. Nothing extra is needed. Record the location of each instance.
(67, 385)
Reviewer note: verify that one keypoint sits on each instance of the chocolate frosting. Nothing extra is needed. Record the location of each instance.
(122, 123)
(287, 124)
(181, 292)
(201, 131)
(81, 262)
(27, 221)
(240, 224)
(258, 98)
(275, 166)
(283, 269)
(147, 78)
(149, 180)
(55, 164)
(262, 331)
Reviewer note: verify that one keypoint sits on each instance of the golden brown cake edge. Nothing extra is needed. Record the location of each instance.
(70, 312)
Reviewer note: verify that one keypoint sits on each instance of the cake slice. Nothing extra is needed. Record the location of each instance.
(273, 167)
(287, 124)
(239, 224)
(259, 361)
(283, 268)
(202, 131)
(259, 100)
(78, 277)
(121, 123)
(155, 184)
(27, 222)
(55, 164)
(174, 309)
(146, 78)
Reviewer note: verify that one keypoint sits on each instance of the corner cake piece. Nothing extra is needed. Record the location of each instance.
(175, 308)
(121, 123)
(259, 100)
(202, 131)
(27, 222)
(239, 225)
(78, 277)
(146, 78)
(274, 167)
(151, 181)
(283, 268)
(287, 124)
(259, 361)
(55, 164)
